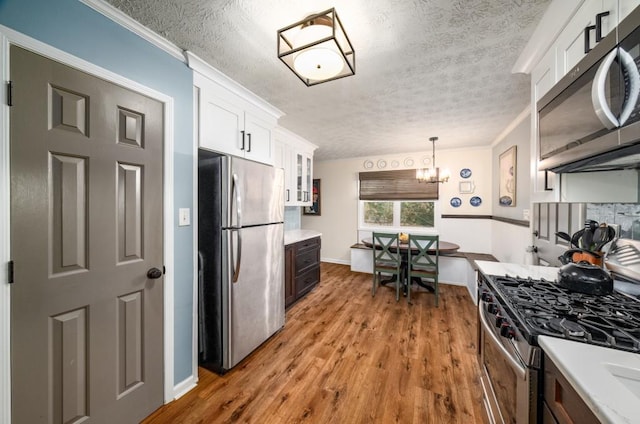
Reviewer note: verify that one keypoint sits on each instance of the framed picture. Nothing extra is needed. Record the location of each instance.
(507, 189)
(314, 209)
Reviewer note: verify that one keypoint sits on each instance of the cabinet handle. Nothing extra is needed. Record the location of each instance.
(546, 181)
(249, 137)
(587, 42)
(242, 132)
(287, 190)
(599, 17)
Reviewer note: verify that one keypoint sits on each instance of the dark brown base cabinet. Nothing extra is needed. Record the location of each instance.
(562, 404)
(302, 269)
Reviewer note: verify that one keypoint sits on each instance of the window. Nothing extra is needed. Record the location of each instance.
(396, 201)
(396, 214)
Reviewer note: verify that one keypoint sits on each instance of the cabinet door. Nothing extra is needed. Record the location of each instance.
(571, 41)
(309, 176)
(258, 144)
(301, 181)
(303, 178)
(289, 275)
(289, 177)
(221, 124)
(563, 400)
(543, 77)
(625, 7)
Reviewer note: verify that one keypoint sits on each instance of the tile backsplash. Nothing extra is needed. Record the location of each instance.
(627, 215)
(292, 218)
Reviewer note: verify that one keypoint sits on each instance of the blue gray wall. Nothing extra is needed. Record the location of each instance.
(77, 29)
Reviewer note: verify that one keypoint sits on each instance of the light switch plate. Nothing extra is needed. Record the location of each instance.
(525, 214)
(184, 217)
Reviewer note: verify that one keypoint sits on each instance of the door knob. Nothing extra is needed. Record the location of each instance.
(154, 273)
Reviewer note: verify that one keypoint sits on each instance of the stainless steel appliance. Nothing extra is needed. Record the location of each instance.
(241, 254)
(513, 311)
(590, 120)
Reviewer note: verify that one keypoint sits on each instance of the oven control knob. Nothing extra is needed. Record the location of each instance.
(506, 330)
(486, 297)
(499, 320)
(492, 308)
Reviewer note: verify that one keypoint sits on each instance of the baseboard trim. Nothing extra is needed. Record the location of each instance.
(335, 261)
(184, 386)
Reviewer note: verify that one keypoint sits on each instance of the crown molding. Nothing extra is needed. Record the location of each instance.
(187, 57)
(205, 69)
(290, 135)
(136, 27)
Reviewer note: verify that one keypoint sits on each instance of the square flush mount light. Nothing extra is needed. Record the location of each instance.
(317, 49)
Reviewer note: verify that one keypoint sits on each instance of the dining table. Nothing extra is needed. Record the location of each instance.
(444, 248)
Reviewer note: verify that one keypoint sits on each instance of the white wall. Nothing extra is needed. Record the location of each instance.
(509, 243)
(338, 221)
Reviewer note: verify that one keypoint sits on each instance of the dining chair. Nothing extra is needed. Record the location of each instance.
(422, 261)
(386, 259)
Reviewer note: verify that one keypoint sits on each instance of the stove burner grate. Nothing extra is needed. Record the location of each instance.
(542, 307)
(565, 327)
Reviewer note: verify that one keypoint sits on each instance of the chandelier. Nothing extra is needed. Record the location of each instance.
(317, 49)
(432, 175)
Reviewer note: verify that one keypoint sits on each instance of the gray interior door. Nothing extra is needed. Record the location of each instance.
(86, 225)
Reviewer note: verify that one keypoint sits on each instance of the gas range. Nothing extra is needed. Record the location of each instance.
(512, 313)
(540, 307)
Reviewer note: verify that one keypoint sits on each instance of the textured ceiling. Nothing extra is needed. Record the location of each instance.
(423, 67)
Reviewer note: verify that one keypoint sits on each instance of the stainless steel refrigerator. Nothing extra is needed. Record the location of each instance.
(241, 257)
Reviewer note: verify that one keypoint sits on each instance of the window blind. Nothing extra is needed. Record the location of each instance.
(395, 185)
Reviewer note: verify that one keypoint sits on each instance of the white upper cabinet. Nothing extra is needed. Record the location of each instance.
(295, 155)
(231, 119)
(582, 32)
(543, 183)
(258, 144)
(594, 19)
(557, 46)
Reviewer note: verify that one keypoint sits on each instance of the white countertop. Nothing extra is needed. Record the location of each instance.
(608, 380)
(294, 236)
(549, 273)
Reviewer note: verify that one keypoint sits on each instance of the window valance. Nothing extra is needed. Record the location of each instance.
(395, 185)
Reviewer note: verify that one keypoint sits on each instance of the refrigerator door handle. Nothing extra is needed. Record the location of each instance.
(235, 265)
(234, 190)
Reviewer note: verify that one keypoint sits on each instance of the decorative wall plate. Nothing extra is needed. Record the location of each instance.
(465, 172)
(408, 162)
(367, 164)
(475, 201)
(395, 164)
(382, 164)
(455, 202)
(426, 160)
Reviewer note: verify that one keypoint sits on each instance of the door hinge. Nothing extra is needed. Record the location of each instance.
(10, 93)
(10, 272)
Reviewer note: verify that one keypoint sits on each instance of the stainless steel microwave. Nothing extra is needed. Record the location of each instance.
(590, 120)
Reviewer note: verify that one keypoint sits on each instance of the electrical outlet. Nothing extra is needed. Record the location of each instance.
(184, 217)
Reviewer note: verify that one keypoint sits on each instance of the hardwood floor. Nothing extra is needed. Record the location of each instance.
(346, 357)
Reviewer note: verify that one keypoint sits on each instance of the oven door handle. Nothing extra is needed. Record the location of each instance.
(518, 368)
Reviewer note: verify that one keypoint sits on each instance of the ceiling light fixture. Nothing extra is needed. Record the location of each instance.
(317, 49)
(433, 175)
